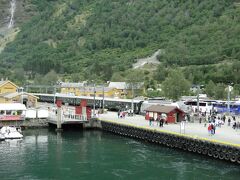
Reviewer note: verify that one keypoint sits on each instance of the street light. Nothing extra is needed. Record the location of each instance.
(21, 89)
(132, 99)
(198, 89)
(230, 88)
(94, 98)
(54, 98)
(103, 99)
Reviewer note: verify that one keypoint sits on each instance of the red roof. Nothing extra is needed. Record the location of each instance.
(162, 109)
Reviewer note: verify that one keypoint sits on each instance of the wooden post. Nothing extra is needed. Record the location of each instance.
(59, 118)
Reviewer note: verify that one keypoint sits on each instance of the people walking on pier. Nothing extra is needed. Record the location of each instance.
(151, 121)
(229, 121)
(234, 125)
(224, 118)
(158, 120)
(213, 129)
(161, 122)
(209, 129)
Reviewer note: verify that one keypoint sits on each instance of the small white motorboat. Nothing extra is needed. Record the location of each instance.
(2, 137)
(10, 132)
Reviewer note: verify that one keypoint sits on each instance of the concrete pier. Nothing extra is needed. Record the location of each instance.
(224, 145)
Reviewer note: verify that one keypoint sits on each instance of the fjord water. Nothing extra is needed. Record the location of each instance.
(43, 154)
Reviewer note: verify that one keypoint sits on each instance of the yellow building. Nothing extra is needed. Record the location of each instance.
(80, 89)
(7, 87)
(114, 89)
(9, 94)
(125, 90)
(71, 88)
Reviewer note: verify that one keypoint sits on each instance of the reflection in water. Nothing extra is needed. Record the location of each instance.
(44, 154)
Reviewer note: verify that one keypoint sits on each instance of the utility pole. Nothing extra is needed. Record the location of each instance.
(132, 99)
(103, 99)
(22, 95)
(228, 103)
(198, 89)
(54, 98)
(94, 98)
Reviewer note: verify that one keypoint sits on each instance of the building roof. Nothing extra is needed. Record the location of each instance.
(118, 85)
(12, 106)
(12, 95)
(7, 81)
(161, 108)
(124, 85)
(71, 85)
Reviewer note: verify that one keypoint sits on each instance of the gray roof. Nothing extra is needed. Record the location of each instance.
(118, 85)
(124, 85)
(12, 95)
(161, 108)
(72, 85)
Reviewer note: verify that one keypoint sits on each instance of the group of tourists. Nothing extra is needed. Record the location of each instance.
(123, 114)
(217, 120)
(159, 121)
(211, 129)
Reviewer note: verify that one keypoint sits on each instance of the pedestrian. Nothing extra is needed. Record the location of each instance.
(119, 113)
(234, 118)
(161, 122)
(238, 125)
(158, 120)
(224, 118)
(150, 121)
(229, 121)
(234, 125)
(212, 130)
(209, 129)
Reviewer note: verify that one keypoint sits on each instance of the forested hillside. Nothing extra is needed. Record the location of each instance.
(86, 39)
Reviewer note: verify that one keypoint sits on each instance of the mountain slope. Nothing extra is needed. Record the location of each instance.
(96, 38)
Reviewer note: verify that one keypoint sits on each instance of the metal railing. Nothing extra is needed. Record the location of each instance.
(68, 117)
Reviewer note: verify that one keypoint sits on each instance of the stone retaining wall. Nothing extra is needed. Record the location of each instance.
(28, 123)
(207, 148)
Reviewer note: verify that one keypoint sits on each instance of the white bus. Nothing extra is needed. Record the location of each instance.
(204, 105)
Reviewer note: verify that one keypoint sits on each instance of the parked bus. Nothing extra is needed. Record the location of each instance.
(12, 112)
(204, 106)
(222, 107)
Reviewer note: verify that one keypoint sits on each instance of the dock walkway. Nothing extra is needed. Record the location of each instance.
(224, 135)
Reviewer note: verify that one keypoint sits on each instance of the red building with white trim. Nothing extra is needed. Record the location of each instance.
(173, 114)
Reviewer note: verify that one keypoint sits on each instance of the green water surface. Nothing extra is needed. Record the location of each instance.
(44, 154)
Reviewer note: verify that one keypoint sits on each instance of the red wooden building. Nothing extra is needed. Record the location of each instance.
(172, 113)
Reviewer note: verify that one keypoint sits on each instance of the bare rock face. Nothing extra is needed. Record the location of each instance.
(18, 10)
(12, 14)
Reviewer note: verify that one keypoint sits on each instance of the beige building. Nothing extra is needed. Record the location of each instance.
(81, 89)
(9, 94)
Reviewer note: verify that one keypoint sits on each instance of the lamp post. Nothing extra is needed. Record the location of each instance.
(198, 89)
(103, 99)
(94, 98)
(230, 88)
(21, 90)
(132, 99)
(54, 98)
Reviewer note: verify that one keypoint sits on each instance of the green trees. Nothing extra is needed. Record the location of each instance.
(103, 38)
(175, 85)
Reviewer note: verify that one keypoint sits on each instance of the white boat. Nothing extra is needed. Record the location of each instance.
(2, 137)
(10, 132)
